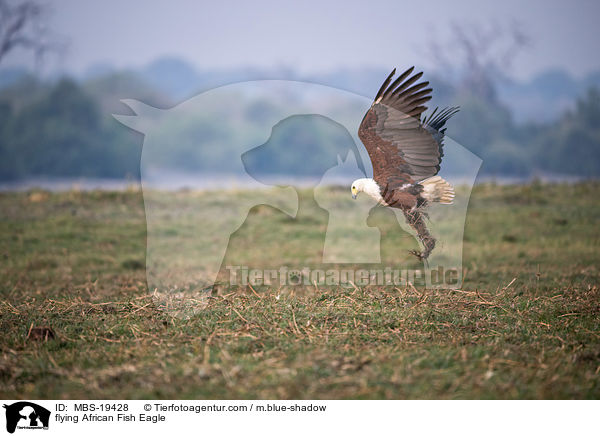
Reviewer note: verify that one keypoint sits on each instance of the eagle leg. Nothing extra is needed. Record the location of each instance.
(416, 219)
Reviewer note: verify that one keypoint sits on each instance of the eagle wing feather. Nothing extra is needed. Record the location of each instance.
(402, 147)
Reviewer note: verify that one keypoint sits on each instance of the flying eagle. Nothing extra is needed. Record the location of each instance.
(406, 152)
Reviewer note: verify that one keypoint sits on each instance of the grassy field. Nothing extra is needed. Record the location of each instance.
(526, 323)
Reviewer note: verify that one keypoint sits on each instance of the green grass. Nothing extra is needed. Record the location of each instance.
(75, 262)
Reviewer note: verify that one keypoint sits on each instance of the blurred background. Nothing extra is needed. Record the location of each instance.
(526, 77)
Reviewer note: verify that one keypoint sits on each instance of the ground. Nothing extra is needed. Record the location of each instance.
(524, 325)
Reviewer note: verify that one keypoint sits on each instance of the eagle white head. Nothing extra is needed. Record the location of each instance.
(368, 186)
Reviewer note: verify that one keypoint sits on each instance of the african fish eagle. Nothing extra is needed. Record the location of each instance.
(406, 152)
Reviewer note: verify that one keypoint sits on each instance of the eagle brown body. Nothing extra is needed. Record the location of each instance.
(406, 151)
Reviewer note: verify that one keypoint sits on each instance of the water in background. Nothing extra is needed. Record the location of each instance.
(180, 181)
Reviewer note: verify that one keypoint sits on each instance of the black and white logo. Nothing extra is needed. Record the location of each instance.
(26, 415)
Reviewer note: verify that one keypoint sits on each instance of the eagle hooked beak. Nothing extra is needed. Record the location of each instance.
(353, 196)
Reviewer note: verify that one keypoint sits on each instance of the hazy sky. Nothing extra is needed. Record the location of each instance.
(313, 36)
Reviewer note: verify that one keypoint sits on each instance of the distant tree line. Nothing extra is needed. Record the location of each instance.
(570, 145)
(62, 133)
(64, 129)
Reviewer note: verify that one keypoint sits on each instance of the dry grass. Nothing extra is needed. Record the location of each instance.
(525, 325)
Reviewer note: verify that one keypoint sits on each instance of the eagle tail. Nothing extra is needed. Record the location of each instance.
(436, 189)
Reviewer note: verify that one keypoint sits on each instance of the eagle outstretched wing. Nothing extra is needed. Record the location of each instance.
(403, 149)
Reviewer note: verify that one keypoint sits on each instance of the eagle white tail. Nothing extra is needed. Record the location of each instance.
(436, 189)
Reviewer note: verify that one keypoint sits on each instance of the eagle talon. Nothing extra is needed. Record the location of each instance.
(422, 256)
